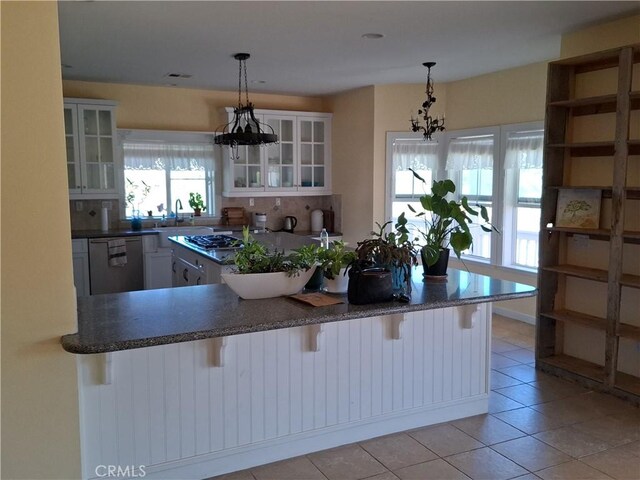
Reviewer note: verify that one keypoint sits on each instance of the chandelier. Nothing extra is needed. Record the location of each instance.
(431, 125)
(244, 129)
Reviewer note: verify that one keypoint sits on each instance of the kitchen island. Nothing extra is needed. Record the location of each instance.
(194, 382)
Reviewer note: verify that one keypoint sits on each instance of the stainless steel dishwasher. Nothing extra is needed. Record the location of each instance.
(105, 278)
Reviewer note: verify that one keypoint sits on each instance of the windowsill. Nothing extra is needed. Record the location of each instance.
(529, 275)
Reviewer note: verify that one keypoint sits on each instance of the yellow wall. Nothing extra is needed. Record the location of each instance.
(394, 106)
(613, 34)
(171, 108)
(352, 157)
(40, 437)
(516, 95)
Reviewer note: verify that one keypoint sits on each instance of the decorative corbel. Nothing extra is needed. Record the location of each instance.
(468, 314)
(314, 336)
(395, 325)
(216, 351)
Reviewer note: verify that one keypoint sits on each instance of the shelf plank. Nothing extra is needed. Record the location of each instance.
(596, 274)
(580, 272)
(631, 192)
(629, 235)
(587, 149)
(569, 316)
(626, 386)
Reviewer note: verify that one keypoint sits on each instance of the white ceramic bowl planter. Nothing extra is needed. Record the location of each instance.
(253, 286)
(337, 284)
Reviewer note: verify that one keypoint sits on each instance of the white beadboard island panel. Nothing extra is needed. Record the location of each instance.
(169, 409)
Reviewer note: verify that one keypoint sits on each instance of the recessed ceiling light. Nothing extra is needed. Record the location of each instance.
(177, 75)
(372, 36)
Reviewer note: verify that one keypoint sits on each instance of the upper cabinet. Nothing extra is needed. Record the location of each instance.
(298, 164)
(90, 129)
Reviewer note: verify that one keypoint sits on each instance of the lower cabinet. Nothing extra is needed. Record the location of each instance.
(157, 269)
(80, 256)
(190, 268)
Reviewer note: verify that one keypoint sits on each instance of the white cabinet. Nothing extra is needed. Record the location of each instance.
(80, 256)
(90, 131)
(190, 268)
(299, 164)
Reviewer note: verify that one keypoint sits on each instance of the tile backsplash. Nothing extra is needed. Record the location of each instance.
(86, 214)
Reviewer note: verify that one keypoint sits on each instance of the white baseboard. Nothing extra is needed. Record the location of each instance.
(522, 317)
(240, 458)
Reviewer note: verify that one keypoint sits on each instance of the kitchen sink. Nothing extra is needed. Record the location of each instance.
(165, 232)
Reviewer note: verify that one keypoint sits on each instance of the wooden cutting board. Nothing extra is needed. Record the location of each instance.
(233, 216)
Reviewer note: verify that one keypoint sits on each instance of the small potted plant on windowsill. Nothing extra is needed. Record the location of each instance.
(446, 225)
(196, 203)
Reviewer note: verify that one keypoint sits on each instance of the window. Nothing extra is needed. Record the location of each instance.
(159, 172)
(498, 167)
(470, 163)
(523, 190)
(409, 151)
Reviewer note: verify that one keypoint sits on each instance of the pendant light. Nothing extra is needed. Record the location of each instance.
(244, 129)
(431, 125)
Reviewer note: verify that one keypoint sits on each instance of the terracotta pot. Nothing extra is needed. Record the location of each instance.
(197, 212)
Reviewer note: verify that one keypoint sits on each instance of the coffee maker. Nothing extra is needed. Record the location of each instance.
(260, 221)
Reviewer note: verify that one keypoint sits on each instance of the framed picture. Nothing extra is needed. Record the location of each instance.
(578, 208)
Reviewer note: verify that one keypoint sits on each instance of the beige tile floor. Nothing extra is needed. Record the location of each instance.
(538, 426)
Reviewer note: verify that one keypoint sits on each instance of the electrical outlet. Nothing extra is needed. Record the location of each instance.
(252, 202)
(277, 201)
(106, 204)
(79, 206)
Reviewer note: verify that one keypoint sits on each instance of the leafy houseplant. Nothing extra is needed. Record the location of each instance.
(447, 222)
(334, 263)
(196, 202)
(260, 273)
(390, 250)
(132, 194)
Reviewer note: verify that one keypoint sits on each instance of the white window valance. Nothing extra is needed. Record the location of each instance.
(158, 156)
(470, 153)
(415, 154)
(524, 150)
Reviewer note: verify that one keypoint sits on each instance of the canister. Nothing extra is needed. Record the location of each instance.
(316, 220)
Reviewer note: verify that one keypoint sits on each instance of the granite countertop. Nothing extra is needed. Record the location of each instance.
(76, 234)
(273, 241)
(112, 322)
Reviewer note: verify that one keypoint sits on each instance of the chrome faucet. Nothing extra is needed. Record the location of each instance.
(178, 202)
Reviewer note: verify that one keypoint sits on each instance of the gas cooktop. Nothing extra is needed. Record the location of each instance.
(214, 242)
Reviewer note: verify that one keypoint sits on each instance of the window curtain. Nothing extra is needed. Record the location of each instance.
(470, 153)
(418, 155)
(159, 156)
(524, 150)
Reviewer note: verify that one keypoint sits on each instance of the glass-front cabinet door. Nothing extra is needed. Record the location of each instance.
(97, 142)
(90, 135)
(280, 157)
(74, 174)
(314, 165)
(247, 167)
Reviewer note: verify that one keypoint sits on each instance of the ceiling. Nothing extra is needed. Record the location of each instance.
(313, 48)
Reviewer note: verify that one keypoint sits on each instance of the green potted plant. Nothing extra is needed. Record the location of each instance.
(196, 203)
(334, 263)
(446, 225)
(261, 273)
(387, 257)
